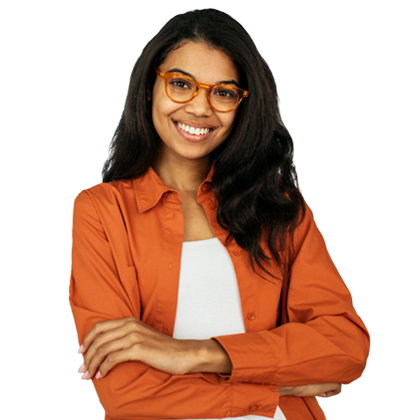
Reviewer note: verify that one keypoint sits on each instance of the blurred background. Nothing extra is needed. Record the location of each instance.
(320, 59)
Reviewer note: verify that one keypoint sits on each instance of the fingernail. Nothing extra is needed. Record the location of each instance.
(80, 349)
(98, 375)
(82, 368)
(85, 375)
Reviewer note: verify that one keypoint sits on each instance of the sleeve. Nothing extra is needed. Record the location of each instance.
(324, 339)
(99, 290)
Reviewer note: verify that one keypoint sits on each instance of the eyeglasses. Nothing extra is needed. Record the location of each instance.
(182, 89)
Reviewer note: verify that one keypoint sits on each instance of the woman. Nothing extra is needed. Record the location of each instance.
(201, 287)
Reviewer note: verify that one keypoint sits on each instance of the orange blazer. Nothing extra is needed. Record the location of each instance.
(127, 243)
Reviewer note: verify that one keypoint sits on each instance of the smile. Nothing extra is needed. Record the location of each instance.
(193, 130)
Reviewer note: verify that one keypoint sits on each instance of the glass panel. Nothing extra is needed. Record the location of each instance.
(180, 88)
(224, 97)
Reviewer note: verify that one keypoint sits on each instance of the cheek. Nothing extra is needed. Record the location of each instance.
(160, 113)
(229, 121)
(162, 107)
(155, 114)
(159, 105)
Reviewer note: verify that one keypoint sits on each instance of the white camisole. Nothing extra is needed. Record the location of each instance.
(208, 297)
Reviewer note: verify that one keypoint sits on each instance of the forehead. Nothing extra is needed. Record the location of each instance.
(204, 63)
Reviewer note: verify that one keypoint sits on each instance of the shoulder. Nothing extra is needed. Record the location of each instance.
(105, 198)
(106, 192)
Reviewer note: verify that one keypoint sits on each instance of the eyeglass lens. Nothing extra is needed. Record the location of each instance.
(222, 98)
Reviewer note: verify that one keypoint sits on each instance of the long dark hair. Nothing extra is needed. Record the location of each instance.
(254, 180)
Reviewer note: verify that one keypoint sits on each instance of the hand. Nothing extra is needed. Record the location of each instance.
(111, 342)
(315, 390)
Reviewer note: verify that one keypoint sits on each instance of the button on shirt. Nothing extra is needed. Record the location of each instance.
(127, 244)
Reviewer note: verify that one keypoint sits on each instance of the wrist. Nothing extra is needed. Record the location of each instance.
(210, 356)
(287, 391)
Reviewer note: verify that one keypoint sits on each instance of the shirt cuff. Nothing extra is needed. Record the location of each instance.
(249, 398)
(251, 356)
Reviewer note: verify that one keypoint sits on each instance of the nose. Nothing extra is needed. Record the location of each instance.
(199, 106)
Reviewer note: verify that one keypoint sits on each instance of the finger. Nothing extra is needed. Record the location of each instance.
(99, 328)
(104, 350)
(124, 355)
(334, 391)
(330, 393)
(82, 368)
(99, 341)
(130, 325)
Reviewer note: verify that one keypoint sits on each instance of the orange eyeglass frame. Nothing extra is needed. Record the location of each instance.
(168, 75)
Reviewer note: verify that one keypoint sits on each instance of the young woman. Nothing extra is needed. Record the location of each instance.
(201, 286)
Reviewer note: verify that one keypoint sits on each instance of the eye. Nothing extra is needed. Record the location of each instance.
(224, 92)
(180, 83)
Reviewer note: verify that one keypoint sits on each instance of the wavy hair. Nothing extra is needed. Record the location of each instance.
(254, 179)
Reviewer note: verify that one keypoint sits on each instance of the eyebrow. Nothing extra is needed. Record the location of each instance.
(225, 82)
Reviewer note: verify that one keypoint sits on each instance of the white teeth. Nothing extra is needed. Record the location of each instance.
(192, 130)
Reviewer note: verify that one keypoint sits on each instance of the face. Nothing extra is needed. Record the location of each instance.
(206, 65)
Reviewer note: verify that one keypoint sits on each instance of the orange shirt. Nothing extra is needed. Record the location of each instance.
(127, 243)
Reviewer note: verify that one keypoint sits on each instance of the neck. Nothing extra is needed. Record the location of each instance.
(183, 175)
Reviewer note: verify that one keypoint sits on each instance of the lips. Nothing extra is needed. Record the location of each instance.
(192, 126)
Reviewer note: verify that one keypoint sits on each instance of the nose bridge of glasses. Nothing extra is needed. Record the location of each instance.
(205, 92)
(203, 85)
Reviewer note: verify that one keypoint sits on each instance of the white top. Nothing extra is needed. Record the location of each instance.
(208, 297)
